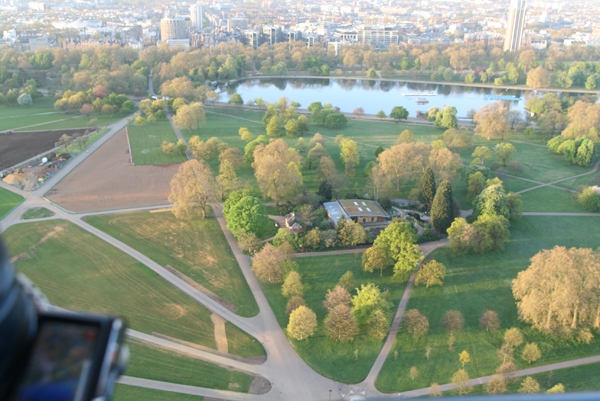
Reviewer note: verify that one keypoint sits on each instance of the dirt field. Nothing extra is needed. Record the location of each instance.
(106, 180)
(21, 146)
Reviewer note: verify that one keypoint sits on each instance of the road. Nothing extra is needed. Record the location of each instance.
(290, 376)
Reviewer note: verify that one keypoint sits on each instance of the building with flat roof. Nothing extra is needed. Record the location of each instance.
(173, 28)
(196, 15)
(358, 210)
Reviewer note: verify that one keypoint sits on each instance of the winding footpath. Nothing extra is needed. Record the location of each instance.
(291, 378)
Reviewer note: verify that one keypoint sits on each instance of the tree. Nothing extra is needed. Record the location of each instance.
(245, 134)
(227, 178)
(447, 118)
(376, 258)
(431, 273)
(492, 232)
(406, 136)
(338, 296)
(491, 201)
(302, 324)
(190, 116)
(340, 324)
(475, 184)
(529, 386)
(504, 152)
(87, 110)
(531, 353)
(427, 188)
(274, 127)
(292, 285)
(415, 323)
(347, 281)
(496, 385)
(349, 154)
(460, 380)
(24, 99)
(293, 304)
(277, 171)
(464, 358)
(268, 264)
(513, 337)
(538, 78)
(482, 153)
(168, 147)
(378, 325)
(405, 161)
(453, 321)
(414, 373)
(367, 300)
(316, 153)
(559, 289)
(434, 390)
(557, 389)
(445, 164)
(399, 241)
(191, 189)
(358, 112)
(489, 321)
(491, 122)
(246, 241)
(590, 83)
(442, 208)
(589, 199)
(399, 113)
(381, 114)
(236, 99)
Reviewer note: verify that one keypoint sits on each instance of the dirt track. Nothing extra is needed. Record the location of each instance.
(106, 180)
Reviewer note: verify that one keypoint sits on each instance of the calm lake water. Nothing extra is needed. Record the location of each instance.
(372, 96)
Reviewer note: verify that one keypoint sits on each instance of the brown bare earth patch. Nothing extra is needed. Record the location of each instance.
(23, 145)
(106, 180)
(27, 254)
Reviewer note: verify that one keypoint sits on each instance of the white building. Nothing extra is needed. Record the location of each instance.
(515, 25)
(196, 15)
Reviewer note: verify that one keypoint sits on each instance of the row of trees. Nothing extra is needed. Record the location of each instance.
(96, 100)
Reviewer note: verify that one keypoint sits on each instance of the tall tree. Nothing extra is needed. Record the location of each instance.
(504, 152)
(399, 241)
(292, 285)
(191, 189)
(453, 321)
(349, 154)
(415, 323)
(339, 295)
(489, 321)
(274, 127)
(376, 258)
(427, 188)
(405, 161)
(431, 273)
(442, 208)
(399, 113)
(367, 300)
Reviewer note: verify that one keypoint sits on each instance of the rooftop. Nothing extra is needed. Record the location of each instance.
(359, 207)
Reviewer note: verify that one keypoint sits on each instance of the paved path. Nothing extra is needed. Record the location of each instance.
(188, 152)
(369, 381)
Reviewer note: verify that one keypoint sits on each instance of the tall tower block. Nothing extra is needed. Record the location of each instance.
(515, 25)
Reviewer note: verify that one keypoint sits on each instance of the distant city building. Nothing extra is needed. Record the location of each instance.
(271, 34)
(173, 28)
(381, 37)
(236, 23)
(251, 38)
(515, 25)
(196, 15)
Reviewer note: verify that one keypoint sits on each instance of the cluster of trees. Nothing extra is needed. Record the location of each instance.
(188, 116)
(445, 118)
(488, 228)
(395, 246)
(152, 110)
(326, 115)
(284, 114)
(97, 100)
(578, 151)
(407, 161)
(559, 291)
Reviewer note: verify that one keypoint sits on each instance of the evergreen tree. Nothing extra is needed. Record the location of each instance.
(427, 188)
(441, 209)
(325, 190)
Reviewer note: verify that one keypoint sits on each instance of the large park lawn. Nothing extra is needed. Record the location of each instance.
(475, 283)
(145, 143)
(328, 357)
(76, 270)
(548, 199)
(197, 249)
(150, 362)
(8, 200)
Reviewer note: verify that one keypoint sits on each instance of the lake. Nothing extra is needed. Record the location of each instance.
(372, 96)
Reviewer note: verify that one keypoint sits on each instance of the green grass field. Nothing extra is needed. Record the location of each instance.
(79, 271)
(37, 213)
(8, 200)
(81, 122)
(124, 392)
(586, 180)
(145, 143)
(41, 105)
(197, 249)
(547, 199)
(154, 363)
(475, 283)
(21, 122)
(328, 357)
